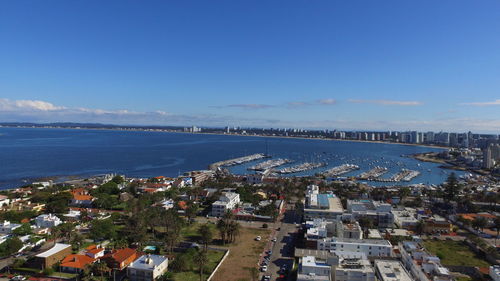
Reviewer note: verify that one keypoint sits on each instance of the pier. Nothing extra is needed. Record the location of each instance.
(269, 164)
(301, 167)
(373, 174)
(340, 170)
(237, 161)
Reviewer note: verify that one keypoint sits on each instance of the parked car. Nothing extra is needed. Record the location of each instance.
(274, 239)
(263, 268)
(258, 238)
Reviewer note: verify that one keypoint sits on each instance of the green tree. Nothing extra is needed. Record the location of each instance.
(404, 192)
(201, 260)
(451, 188)
(102, 229)
(24, 229)
(479, 223)
(206, 235)
(191, 212)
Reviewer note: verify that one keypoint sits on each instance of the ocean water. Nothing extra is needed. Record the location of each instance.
(28, 154)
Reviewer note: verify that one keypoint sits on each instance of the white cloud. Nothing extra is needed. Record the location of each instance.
(387, 102)
(488, 103)
(327, 101)
(29, 105)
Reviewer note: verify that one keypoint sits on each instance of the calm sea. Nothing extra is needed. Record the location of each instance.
(30, 154)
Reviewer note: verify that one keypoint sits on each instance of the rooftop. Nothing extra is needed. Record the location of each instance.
(148, 262)
(392, 271)
(54, 250)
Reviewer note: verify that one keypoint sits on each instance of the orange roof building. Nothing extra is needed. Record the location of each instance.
(75, 263)
(121, 258)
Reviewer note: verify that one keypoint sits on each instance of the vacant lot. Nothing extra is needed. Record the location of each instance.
(213, 259)
(243, 255)
(454, 253)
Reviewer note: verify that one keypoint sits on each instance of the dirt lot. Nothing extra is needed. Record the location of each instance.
(243, 255)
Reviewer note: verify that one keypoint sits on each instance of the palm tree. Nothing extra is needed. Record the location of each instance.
(201, 260)
(221, 226)
(206, 235)
(233, 230)
(100, 268)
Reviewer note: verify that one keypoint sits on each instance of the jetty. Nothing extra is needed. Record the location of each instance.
(340, 170)
(237, 161)
(373, 174)
(269, 164)
(301, 168)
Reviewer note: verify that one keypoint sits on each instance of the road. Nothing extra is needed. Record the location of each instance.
(282, 250)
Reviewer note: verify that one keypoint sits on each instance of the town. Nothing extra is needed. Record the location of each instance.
(212, 225)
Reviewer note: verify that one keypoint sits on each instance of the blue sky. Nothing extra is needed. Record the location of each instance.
(425, 65)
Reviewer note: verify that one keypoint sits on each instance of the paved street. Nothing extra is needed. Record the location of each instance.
(283, 248)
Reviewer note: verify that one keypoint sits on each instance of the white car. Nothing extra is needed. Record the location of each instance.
(263, 268)
(274, 239)
(258, 238)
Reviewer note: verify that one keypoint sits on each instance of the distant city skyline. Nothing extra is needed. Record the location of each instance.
(384, 65)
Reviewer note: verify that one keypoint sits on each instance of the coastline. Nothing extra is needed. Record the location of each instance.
(224, 134)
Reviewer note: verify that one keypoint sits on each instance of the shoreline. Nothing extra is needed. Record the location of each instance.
(224, 134)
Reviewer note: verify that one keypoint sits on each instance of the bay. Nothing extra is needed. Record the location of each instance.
(27, 154)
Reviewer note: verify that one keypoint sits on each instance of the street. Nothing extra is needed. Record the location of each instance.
(282, 249)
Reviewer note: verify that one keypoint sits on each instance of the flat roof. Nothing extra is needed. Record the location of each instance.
(392, 271)
(54, 250)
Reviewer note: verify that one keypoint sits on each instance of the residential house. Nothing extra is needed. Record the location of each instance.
(6, 227)
(47, 221)
(147, 268)
(121, 258)
(227, 201)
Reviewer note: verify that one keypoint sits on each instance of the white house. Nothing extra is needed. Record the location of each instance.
(147, 268)
(4, 201)
(7, 228)
(227, 201)
(47, 221)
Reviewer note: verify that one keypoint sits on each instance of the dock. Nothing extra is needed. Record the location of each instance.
(340, 170)
(301, 168)
(269, 164)
(237, 161)
(373, 174)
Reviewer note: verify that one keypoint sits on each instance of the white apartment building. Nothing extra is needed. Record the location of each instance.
(227, 201)
(320, 228)
(422, 265)
(405, 218)
(370, 247)
(47, 221)
(379, 212)
(311, 268)
(326, 206)
(389, 270)
(354, 269)
(343, 266)
(147, 268)
(7, 228)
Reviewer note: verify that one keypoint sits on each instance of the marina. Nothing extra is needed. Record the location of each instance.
(269, 164)
(373, 174)
(237, 161)
(340, 170)
(301, 168)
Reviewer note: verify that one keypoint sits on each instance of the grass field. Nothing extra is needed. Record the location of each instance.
(454, 253)
(243, 255)
(213, 259)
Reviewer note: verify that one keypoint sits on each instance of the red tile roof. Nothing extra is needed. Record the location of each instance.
(122, 254)
(76, 261)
